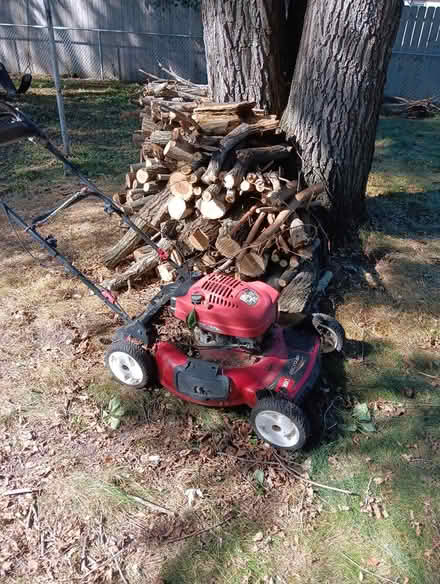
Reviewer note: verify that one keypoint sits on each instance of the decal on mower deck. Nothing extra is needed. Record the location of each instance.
(285, 384)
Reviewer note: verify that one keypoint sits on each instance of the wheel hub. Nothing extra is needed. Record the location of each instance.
(277, 428)
(125, 368)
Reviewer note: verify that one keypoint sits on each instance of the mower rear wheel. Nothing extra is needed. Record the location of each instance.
(281, 423)
(130, 364)
(331, 332)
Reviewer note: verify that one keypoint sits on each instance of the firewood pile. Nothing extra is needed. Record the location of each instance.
(215, 185)
(409, 108)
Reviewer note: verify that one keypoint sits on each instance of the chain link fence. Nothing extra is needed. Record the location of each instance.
(100, 53)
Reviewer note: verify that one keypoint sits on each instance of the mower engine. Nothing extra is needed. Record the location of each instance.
(229, 313)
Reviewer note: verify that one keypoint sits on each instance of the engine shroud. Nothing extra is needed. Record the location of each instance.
(228, 306)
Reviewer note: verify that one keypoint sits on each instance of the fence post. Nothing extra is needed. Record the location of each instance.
(56, 75)
(101, 62)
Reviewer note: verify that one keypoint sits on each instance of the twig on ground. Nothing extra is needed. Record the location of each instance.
(123, 578)
(314, 483)
(20, 492)
(383, 578)
(200, 531)
(152, 506)
(367, 492)
(427, 375)
(107, 561)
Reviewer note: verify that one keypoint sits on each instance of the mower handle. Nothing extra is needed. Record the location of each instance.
(28, 128)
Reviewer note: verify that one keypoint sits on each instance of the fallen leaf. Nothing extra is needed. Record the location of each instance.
(378, 480)
(192, 495)
(361, 412)
(258, 536)
(259, 476)
(372, 561)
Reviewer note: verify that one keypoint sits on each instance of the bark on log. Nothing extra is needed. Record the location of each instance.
(297, 295)
(150, 216)
(152, 187)
(335, 129)
(160, 137)
(217, 125)
(129, 178)
(241, 108)
(264, 154)
(179, 150)
(240, 133)
(147, 263)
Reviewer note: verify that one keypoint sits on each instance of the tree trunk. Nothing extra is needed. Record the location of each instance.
(335, 98)
(243, 43)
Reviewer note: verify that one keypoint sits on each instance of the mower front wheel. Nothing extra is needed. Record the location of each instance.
(280, 423)
(130, 364)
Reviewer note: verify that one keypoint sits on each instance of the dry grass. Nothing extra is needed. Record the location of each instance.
(93, 480)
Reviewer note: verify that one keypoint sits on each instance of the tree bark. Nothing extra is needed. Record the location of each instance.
(243, 43)
(335, 98)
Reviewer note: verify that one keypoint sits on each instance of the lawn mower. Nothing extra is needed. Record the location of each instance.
(232, 350)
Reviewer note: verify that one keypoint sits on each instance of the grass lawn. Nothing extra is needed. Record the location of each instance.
(113, 505)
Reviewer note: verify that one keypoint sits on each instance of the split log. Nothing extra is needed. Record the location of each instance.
(200, 233)
(216, 125)
(166, 272)
(129, 178)
(242, 108)
(298, 294)
(180, 187)
(208, 260)
(148, 126)
(179, 150)
(251, 264)
(181, 106)
(160, 137)
(176, 256)
(149, 217)
(231, 140)
(298, 235)
(120, 199)
(212, 209)
(144, 265)
(149, 149)
(228, 247)
(178, 209)
(288, 275)
(161, 177)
